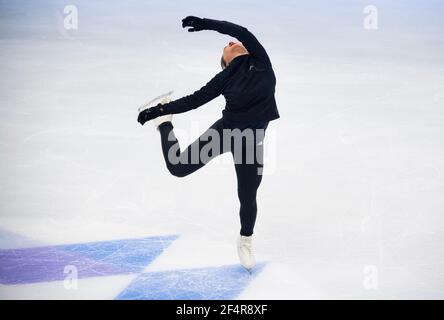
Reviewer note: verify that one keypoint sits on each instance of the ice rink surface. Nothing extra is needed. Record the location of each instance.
(351, 203)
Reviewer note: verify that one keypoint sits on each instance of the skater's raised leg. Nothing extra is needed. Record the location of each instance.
(182, 163)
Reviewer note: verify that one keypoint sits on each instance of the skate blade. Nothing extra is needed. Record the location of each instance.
(249, 270)
(163, 98)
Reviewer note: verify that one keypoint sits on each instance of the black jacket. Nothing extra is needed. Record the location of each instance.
(247, 83)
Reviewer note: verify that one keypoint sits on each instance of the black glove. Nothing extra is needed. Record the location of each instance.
(149, 114)
(196, 24)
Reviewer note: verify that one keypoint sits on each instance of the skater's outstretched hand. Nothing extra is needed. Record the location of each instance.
(195, 23)
(149, 114)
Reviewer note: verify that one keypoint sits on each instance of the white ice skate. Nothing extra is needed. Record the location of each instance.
(159, 120)
(245, 252)
(156, 100)
(162, 99)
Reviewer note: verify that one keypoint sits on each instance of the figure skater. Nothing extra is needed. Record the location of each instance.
(247, 82)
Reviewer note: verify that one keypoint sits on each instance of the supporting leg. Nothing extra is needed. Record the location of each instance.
(249, 177)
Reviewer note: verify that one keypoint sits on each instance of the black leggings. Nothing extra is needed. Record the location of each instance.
(248, 168)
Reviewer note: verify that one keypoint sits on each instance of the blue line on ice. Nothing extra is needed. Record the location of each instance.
(105, 258)
(223, 282)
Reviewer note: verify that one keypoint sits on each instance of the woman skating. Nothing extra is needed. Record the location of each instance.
(247, 82)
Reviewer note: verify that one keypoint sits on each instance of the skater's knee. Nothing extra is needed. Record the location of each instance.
(247, 200)
(247, 195)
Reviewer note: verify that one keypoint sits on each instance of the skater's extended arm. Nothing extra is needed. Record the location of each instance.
(241, 33)
(208, 92)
